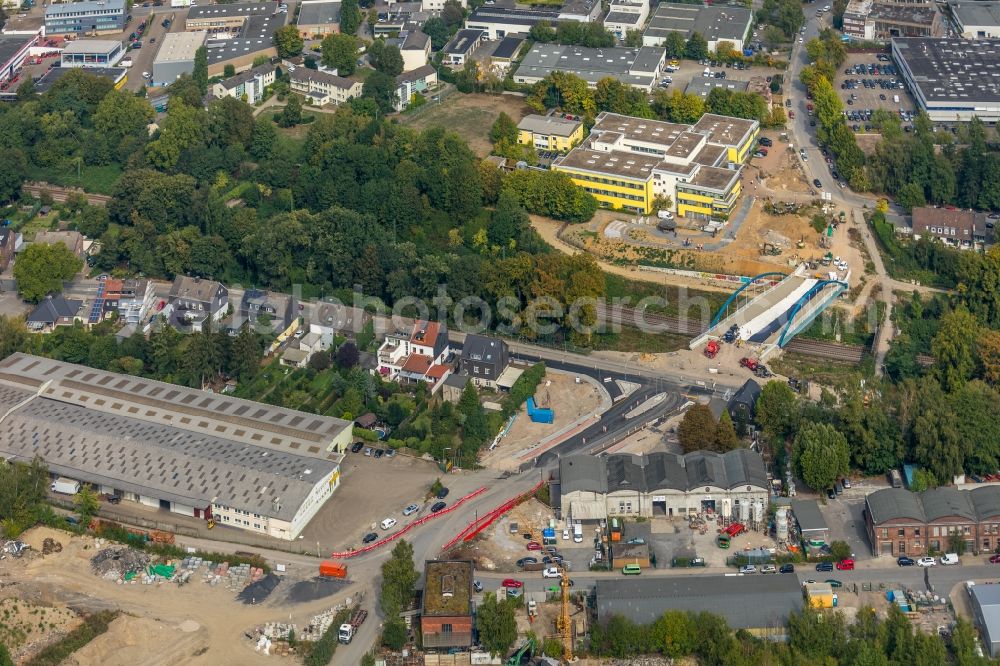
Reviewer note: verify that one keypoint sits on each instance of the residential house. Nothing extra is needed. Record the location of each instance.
(446, 617)
(417, 81)
(73, 240)
(7, 240)
(462, 46)
(414, 46)
(132, 299)
(267, 311)
(417, 356)
(334, 318)
(453, 387)
(323, 88)
(901, 522)
(248, 86)
(958, 228)
(484, 359)
(194, 300)
(293, 357)
(743, 404)
(55, 310)
(553, 132)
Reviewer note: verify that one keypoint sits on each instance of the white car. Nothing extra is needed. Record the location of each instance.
(748, 569)
(145, 75)
(388, 523)
(565, 535)
(768, 568)
(926, 562)
(410, 510)
(551, 572)
(800, 40)
(949, 558)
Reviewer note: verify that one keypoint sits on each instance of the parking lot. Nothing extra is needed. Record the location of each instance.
(372, 490)
(867, 82)
(689, 69)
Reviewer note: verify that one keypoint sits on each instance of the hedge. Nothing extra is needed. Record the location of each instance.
(523, 389)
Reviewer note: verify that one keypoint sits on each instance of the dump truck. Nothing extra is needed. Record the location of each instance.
(332, 569)
(711, 349)
(65, 486)
(348, 629)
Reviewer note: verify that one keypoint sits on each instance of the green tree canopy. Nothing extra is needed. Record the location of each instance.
(288, 42)
(820, 455)
(340, 52)
(697, 429)
(496, 624)
(777, 410)
(41, 270)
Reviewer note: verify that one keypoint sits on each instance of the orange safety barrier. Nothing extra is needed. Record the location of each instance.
(480, 524)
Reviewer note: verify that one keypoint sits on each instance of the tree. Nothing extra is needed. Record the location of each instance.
(386, 58)
(246, 353)
(287, 41)
(954, 348)
(696, 47)
(14, 335)
(542, 32)
(340, 52)
(777, 410)
(347, 356)
(263, 138)
(633, 38)
(697, 430)
(229, 70)
(320, 361)
(496, 624)
(399, 576)
(820, 455)
(26, 91)
(381, 88)
(121, 114)
(725, 434)
(439, 33)
(41, 270)
(5, 658)
(504, 129)
(350, 17)
(840, 550)
(394, 634)
(291, 115)
(988, 348)
(675, 45)
(87, 504)
(911, 196)
(13, 171)
(200, 73)
(453, 13)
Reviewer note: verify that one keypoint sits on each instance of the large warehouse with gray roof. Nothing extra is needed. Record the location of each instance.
(661, 484)
(953, 80)
(249, 465)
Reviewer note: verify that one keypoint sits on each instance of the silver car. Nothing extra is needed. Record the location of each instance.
(748, 569)
(410, 510)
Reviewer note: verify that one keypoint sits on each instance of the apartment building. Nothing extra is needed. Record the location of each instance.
(322, 88)
(248, 85)
(555, 132)
(627, 162)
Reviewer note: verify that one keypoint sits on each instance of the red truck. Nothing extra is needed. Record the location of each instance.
(711, 349)
(748, 363)
(348, 629)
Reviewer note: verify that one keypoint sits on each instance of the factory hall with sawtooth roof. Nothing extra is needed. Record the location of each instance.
(243, 464)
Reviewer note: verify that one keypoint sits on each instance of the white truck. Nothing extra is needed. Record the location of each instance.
(348, 629)
(65, 486)
(577, 533)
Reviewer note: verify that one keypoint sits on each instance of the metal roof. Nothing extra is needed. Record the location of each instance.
(893, 504)
(319, 12)
(946, 502)
(807, 515)
(746, 602)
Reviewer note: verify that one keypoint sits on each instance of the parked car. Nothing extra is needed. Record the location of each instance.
(994, 559)
(527, 560)
(817, 182)
(565, 535)
(510, 582)
(824, 566)
(845, 565)
(371, 536)
(379, 453)
(768, 568)
(357, 447)
(748, 569)
(833, 582)
(368, 450)
(904, 561)
(534, 545)
(410, 510)
(551, 572)
(477, 586)
(949, 558)
(926, 562)
(388, 523)
(438, 506)
(441, 494)
(787, 568)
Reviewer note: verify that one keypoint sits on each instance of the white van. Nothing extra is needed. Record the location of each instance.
(126, 62)
(895, 99)
(388, 523)
(578, 533)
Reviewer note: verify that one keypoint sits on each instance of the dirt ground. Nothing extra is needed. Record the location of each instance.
(470, 116)
(26, 627)
(569, 400)
(162, 623)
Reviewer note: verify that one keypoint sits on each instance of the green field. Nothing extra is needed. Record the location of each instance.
(94, 179)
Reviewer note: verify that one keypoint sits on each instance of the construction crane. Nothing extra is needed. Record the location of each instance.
(565, 629)
(516, 658)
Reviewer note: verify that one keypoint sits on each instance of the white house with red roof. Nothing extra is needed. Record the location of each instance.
(416, 357)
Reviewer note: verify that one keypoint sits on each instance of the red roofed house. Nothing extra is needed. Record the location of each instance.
(418, 356)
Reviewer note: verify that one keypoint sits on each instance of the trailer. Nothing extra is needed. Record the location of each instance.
(349, 629)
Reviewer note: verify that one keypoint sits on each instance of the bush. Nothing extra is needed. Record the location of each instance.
(365, 434)
(92, 627)
(321, 652)
(523, 389)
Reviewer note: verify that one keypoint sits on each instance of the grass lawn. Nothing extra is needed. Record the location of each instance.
(469, 116)
(36, 224)
(94, 179)
(634, 340)
(823, 371)
(617, 286)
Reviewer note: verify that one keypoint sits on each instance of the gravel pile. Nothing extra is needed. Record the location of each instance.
(117, 561)
(255, 593)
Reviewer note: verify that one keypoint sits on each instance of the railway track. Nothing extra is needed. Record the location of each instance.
(61, 193)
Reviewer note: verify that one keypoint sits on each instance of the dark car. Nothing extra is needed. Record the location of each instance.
(441, 494)
(379, 453)
(438, 506)
(371, 536)
(905, 561)
(824, 566)
(114, 499)
(830, 494)
(764, 141)
(357, 447)
(994, 559)
(787, 568)
(817, 183)
(527, 560)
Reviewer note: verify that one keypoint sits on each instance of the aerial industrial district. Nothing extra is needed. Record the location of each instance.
(735, 403)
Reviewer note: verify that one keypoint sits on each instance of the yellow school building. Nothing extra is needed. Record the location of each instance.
(555, 132)
(627, 162)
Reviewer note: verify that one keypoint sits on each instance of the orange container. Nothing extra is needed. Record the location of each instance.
(332, 569)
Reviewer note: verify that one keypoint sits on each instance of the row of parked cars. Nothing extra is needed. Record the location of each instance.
(390, 522)
(373, 452)
(946, 559)
(767, 569)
